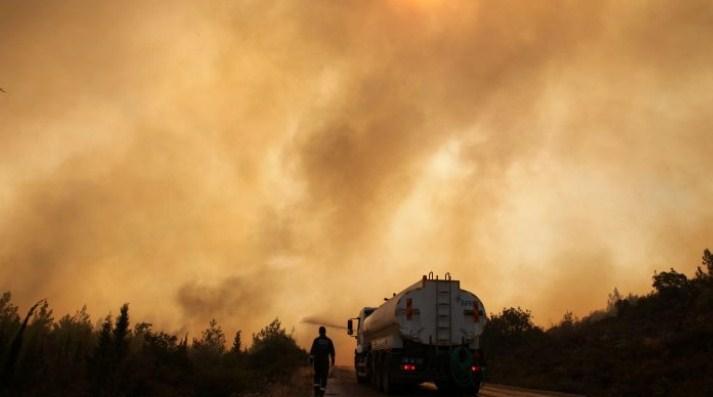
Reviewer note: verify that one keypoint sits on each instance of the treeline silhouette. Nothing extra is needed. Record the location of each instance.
(69, 357)
(659, 344)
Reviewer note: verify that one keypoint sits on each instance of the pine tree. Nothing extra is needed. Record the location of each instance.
(212, 342)
(707, 271)
(121, 331)
(102, 361)
(708, 261)
(9, 368)
(237, 343)
(105, 337)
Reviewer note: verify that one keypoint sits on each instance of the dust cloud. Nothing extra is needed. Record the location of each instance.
(246, 160)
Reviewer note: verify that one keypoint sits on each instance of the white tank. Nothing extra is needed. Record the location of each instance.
(430, 312)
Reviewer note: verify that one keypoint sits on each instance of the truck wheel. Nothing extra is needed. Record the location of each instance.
(361, 379)
(387, 385)
(376, 372)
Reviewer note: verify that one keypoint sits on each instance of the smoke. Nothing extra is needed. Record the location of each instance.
(237, 298)
(246, 160)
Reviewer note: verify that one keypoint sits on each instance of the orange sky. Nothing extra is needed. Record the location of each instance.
(247, 159)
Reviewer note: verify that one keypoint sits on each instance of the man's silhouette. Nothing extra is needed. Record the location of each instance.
(321, 352)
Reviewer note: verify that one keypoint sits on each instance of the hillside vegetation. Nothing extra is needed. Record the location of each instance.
(41, 356)
(659, 344)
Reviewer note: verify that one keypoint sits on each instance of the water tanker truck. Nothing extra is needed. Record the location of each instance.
(428, 332)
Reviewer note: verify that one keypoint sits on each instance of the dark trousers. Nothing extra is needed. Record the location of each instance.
(321, 371)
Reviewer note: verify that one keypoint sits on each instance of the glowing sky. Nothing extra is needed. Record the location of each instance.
(250, 159)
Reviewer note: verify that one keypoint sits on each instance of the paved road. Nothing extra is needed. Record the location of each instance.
(343, 384)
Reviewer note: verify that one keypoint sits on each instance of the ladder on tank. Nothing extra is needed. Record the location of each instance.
(444, 297)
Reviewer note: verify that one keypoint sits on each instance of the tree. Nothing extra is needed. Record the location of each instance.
(707, 262)
(11, 360)
(237, 343)
(274, 352)
(8, 312)
(105, 337)
(515, 321)
(121, 332)
(212, 342)
(612, 300)
(68, 346)
(670, 282)
(74, 333)
(101, 364)
(271, 331)
(568, 320)
(9, 323)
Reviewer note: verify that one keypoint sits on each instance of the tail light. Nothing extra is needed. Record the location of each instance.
(475, 369)
(408, 367)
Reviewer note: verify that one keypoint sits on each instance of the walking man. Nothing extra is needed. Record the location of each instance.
(320, 354)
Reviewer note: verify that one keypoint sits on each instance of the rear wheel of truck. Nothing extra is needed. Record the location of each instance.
(375, 372)
(387, 385)
(361, 379)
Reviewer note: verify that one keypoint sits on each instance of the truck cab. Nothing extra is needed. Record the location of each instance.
(362, 344)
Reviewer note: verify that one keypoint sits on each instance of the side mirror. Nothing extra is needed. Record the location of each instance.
(350, 327)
